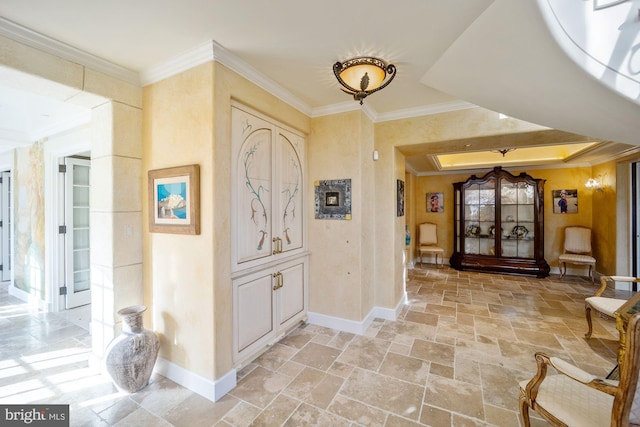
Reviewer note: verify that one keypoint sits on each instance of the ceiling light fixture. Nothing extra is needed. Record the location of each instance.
(503, 151)
(363, 76)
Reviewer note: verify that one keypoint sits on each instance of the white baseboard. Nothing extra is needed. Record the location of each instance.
(352, 326)
(212, 390)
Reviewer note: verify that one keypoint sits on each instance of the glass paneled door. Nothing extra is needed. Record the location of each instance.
(77, 250)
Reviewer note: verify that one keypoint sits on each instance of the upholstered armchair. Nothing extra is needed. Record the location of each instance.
(573, 397)
(605, 307)
(577, 250)
(428, 242)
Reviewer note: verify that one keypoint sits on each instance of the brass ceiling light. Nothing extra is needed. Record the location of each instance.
(363, 75)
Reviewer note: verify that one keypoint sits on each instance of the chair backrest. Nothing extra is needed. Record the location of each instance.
(577, 240)
(626, 403)
(428, 234)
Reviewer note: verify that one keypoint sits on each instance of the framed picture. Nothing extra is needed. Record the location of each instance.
(565, 201)
(435, 202)
(333, 199)
(174, 200)
(400, 197)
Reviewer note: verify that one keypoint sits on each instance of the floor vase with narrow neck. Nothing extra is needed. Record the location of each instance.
(130, 357)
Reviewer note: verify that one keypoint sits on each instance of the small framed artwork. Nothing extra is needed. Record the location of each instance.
(333, 199)
(565, 201)
(400, 197)
(435, 202)
(174, 200)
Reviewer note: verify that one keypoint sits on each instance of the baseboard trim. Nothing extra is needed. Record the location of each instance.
(352, 326)
(212, 390)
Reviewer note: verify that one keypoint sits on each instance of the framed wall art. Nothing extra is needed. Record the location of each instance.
(174, 200)
(333, 199)
(435, 202)
(399, 197)
(565, 201)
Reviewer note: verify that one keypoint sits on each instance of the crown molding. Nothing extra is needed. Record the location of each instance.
(212, 51)
(46, 44)
(345, 107)
(226, 58)
(198, 55)
(205, 52)
(426, 110)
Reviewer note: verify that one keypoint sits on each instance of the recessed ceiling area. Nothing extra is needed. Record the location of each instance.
(546, 147)
(533, 156)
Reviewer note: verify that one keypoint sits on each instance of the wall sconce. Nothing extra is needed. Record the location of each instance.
(594, 184)
(363, 76)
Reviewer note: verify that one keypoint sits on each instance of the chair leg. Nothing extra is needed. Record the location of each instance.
(590, 273)
(563, 271)
(524, 410)
(587, 312)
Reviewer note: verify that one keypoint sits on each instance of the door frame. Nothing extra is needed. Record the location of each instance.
(76, 141)
(6, 164)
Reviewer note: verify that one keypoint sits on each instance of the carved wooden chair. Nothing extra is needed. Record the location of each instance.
(428, 242)
(577, 250)
(605, 307)
(573, 397)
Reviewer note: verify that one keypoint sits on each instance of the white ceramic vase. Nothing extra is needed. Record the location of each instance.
(130, 357)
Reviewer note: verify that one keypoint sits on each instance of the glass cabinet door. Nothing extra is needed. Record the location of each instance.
(479, 218)
(517, 219)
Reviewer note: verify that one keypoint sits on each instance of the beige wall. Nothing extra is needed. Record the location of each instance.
(341, 263)
(178, 271)
(605, 219)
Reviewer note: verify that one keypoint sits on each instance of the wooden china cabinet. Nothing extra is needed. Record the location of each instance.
(499, 224)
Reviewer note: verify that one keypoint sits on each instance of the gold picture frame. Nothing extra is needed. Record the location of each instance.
(174, 200)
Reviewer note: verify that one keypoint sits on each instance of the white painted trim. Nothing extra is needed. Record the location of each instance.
(212, 51)
(212, 390)
(339, 323)
(353, 326)
(425, 110)
(39, 41)
(480, 171)
(208, 51)
(199, 55)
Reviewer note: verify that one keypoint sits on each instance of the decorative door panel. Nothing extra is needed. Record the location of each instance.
(253, 310)
(291, 295)
(289, 224)
(253, 187)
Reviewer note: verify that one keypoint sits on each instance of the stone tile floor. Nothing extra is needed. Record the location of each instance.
(453, 358)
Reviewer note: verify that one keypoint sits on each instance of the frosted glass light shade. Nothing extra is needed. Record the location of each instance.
(363, 76)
